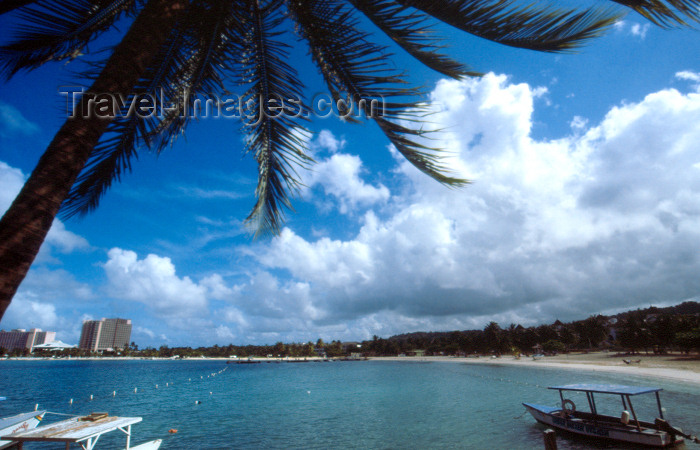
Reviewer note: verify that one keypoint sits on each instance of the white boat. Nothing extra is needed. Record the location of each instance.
(625, 428)
(84, 431)
(20, 422)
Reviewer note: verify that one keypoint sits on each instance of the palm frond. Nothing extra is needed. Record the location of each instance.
(665, 13)
(10, 5)
(531, 27)
(52, 32)
(129, 131)
(410, 31)
(184, 64)
(204, 61)
(357, 75)
(275, 133)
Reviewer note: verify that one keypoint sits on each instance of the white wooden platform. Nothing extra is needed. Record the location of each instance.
(84, 433)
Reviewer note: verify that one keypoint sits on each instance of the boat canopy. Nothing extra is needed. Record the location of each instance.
(608, 389)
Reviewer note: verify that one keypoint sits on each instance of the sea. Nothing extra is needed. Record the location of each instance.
(320, 405)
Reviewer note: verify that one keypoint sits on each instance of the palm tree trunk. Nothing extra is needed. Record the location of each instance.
(24, 226)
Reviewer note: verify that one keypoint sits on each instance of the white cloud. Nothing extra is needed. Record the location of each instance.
(153, 281)
(608, 217)
(11, 181)
(689, 76)
(58, 237)
(326, 140)
(64, 240)
(143, 331)
(26, 313)
(339, 177)
(605, 218)
(224, 333)
(578, 123)
(639, 30)
(634, 29)
(12, 122)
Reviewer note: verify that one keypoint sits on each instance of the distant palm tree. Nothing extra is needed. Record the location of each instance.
(216, 47)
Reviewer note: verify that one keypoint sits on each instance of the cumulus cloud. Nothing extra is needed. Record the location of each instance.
(339, 176)
(25, 313)
(58, 238)
(326, 140)
(153, 282)
(605, 218)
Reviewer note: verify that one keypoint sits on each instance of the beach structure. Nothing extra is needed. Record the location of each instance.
(625, 427)
(23, 339)
(105, 335)
(84, 431)
(54, 346)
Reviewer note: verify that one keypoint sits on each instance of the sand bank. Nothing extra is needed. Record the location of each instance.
(671, 367)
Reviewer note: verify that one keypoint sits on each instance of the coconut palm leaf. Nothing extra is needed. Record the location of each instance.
(665, 13)
(53, 32)
(275, 134)
(190, 61)
(10, 5)
(357, 75)
(409, 30)
(531, 27)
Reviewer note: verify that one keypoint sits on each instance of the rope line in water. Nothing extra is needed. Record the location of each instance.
(136, 390)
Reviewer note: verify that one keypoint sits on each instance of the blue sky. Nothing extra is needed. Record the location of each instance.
(586, 200)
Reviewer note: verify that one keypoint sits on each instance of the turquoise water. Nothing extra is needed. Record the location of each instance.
(329, 405)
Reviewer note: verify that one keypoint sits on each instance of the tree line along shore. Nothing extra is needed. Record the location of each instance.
(650, 331)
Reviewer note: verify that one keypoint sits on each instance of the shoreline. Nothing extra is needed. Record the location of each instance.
(669, 367)
(673, 367)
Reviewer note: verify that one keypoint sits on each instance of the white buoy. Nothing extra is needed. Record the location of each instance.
(114, 393)
(36, 407)
(90, 396)
(166, 384)
(71, 401)
(209, 393)
(156, 386)
(136, 389)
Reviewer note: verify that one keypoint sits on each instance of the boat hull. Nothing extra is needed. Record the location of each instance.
(647, 437)
(20, 422)
(151, 445)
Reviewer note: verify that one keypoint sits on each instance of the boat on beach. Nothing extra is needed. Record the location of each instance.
(84, 431)
(17, 423)
(626, 427)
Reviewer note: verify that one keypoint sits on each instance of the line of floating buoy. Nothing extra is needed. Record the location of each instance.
(167, 384)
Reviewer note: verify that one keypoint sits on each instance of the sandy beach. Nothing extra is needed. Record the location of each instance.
(673, 367)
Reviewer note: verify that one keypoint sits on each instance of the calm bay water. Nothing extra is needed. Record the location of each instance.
(329, 405)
